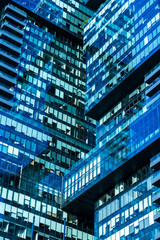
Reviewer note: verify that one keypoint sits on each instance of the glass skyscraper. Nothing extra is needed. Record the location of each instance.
(117, 182)
(43, 130)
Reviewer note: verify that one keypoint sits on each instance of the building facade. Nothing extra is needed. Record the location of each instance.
(113, 183)
(43, 130)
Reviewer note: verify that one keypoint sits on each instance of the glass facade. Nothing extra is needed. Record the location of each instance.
(121, 45)
(118, 39)
(68, 15)
(43, 130)
(129, 216)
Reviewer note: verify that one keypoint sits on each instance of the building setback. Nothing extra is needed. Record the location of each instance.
(113, 183)
(43, 130)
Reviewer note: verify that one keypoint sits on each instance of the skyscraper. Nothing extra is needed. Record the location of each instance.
(43, 130)
(113, 183)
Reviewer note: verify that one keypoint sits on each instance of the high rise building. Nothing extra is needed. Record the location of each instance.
(115, 183)
(43, 130)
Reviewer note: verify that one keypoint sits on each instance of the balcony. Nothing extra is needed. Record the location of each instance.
(10, 48)
(6, 92)
(5, 78)
(153, 88)
(153, 74)
(156, 198)
(11, 38)
(5, 57)
(14, 30)
(21, 14)
(157, 217)
(8, 69)
(155, 164)
(12, 19)
(6, 103)
(156, 181)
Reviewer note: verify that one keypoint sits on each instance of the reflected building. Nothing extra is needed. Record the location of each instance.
(117, 182)
(43, 130)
